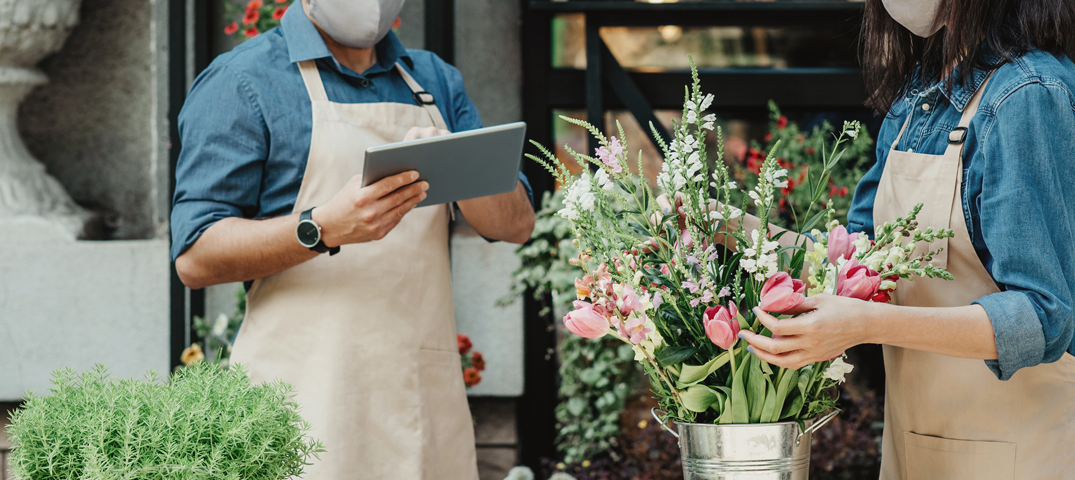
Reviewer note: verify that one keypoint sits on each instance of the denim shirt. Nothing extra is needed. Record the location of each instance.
(1017, 193)
(246, 125)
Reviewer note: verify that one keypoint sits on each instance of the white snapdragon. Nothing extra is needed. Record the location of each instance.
(601, 177)
(837, 369)
(578, 197)
(760, 259)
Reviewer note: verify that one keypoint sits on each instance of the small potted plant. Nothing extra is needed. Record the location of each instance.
(208, 422)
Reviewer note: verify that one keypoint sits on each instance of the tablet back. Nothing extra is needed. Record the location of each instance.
(458, 166)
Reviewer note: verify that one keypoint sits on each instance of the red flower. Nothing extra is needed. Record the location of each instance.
(471, 377)
(397, 23)
(281, 1)
(832, 190)
(810, 150)
(782, 122)
(478, 361)
(253, 5)
(278, 13)
(769, 136)
(754, 161)
(251, 32)
(231, 28)
(464, 343)
(881, 297)
(252, 16)
(842, 192)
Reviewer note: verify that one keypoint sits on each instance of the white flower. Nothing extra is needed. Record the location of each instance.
(603, 181)
(838, 369)
(731, 185)
(220, 326)
(692, 116)
(679, 181)
(520, 473)
(887, 285)
(706, 102)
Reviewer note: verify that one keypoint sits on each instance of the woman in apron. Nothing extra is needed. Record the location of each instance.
(980, 129)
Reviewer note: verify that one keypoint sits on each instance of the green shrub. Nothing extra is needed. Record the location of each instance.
(207, 423)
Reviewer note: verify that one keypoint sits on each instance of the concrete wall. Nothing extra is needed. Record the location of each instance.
(99, 127)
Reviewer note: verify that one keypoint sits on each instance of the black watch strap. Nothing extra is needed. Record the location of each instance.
(320, 247)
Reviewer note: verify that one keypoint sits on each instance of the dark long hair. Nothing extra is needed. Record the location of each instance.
(973, 29)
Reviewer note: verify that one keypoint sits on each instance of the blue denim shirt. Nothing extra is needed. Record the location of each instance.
(1018, 196)
(246, 125)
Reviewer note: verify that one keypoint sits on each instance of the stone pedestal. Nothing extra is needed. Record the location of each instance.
(29, 197)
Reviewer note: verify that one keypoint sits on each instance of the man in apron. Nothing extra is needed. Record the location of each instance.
(349, 288)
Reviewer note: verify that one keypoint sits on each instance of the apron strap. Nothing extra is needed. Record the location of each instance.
(423, 98)
(958, 135)
(312, 78)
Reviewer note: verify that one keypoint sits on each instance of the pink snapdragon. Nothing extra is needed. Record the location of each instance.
(857, 281)
(585, 322)
(782, 293)
(722, 325)
(610, 156)
(841, 244)
(629, 301)
(634, 329)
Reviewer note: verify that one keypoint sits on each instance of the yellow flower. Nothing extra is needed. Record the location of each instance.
(585, 464)
(193, 354)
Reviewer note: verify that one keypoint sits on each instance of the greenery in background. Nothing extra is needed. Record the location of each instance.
(800, 152)
(596, 376)
(207, 423)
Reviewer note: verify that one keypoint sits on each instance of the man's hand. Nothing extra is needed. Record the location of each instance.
(360, 214)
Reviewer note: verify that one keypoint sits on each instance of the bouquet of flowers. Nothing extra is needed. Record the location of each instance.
(676, 275)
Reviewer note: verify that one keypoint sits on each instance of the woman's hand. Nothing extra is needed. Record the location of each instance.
(831, 326)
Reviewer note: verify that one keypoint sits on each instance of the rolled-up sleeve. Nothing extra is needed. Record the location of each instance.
(1028, 224)
(224, 147)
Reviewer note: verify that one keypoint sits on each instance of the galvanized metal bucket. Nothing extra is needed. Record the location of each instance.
(766, 451)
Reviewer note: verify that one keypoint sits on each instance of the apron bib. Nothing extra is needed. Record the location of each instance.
(367, 336)
(950, 418)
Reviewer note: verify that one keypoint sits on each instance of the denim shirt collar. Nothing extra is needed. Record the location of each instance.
(960, 94)
(304, 42)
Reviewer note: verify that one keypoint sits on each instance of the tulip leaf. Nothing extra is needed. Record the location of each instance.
(675, 354)
(740, 408)
(788, 381)
(814, 220)
(691, 374)
(769, 410)
(794, 406)
(755, 386)
(698, 398)
(726, 412)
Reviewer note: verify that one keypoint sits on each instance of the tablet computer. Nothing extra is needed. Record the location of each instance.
(458, 166)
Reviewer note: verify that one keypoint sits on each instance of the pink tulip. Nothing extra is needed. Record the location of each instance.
(857, 281)
(841, 244)
(585, 322)
(781, 293)
(722, 325)
(629, 301)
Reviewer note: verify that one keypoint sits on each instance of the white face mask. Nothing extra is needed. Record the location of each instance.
(916, 15)
(355, 23)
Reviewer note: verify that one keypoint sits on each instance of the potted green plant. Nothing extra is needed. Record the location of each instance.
(208, 422)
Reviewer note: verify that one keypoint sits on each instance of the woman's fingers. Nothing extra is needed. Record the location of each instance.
(793, 360)
(772, 345)
(809, 304)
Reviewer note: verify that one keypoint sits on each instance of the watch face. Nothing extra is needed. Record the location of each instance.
(308, 233)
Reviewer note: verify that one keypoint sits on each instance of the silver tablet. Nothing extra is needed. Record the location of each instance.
(458, 166)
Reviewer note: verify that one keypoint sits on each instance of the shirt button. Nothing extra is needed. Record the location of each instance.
(925, 106)
(365, 83)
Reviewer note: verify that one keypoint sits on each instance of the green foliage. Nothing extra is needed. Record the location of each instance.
(596, 379)
(250, 18)
(208, 423)
(217, 336)
(596, 376)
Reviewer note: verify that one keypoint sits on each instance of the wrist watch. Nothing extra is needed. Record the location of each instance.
(309, 234)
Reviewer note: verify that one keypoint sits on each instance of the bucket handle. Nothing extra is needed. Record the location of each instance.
(817, 426)
(653, 411)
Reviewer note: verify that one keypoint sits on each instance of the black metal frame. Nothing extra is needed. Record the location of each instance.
(607, 85)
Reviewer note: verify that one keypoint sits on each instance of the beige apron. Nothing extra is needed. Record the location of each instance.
(950, 418)
(367, 336)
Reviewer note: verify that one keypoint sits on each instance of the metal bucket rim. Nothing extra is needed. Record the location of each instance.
(807, 422)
